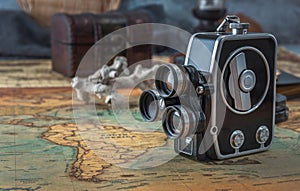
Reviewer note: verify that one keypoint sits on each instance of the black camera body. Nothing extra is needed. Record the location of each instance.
(221, 103)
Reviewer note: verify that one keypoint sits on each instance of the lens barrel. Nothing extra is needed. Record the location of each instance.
(178, 121)
(170, 80)
(151, 105)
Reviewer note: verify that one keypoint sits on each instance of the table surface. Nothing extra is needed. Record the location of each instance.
(42, 148)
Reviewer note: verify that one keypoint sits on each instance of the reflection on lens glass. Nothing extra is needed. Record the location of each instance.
(149, 106)
(173, 122)
(169, 81)
(165, 81)
(176, 122)
(152, 109)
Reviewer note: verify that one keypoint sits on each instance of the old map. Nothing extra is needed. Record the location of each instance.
(41, 148)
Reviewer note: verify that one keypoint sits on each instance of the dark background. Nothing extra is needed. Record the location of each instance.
(279, 17)
(21, 37)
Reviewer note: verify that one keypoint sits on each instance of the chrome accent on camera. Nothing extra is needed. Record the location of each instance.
(179, 122)
(200, 90)
(237, 139)
(242, 100)
(239, 28)
(186, 146)
(226, 22)
(170, 80)
(247, 81)
(262, 134)
(151, 105)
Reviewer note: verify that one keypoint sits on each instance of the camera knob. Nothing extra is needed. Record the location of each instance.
(247, 81)
(262, 134)
(237, 139)
(241, 82)
(239, 28)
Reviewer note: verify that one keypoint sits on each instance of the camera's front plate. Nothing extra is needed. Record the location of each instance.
(243, 104)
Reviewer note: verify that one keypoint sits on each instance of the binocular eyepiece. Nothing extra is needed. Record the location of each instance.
(173, 83)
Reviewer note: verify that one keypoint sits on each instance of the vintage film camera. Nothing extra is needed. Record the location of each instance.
(221, 103)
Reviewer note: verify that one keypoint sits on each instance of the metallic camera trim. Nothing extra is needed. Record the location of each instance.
(246, 74)
(261, 128)
(179, 80)
(191, 145)
(267, 85)
(188, 51)
(236, 133)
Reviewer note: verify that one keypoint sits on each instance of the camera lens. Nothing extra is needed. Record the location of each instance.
(152, 104)
(175, 122)
(149, 105)
(170, 79)
(178, 122)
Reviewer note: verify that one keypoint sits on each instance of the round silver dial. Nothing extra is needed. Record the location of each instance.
(237, 139)
(262, 134)
(247, 81)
